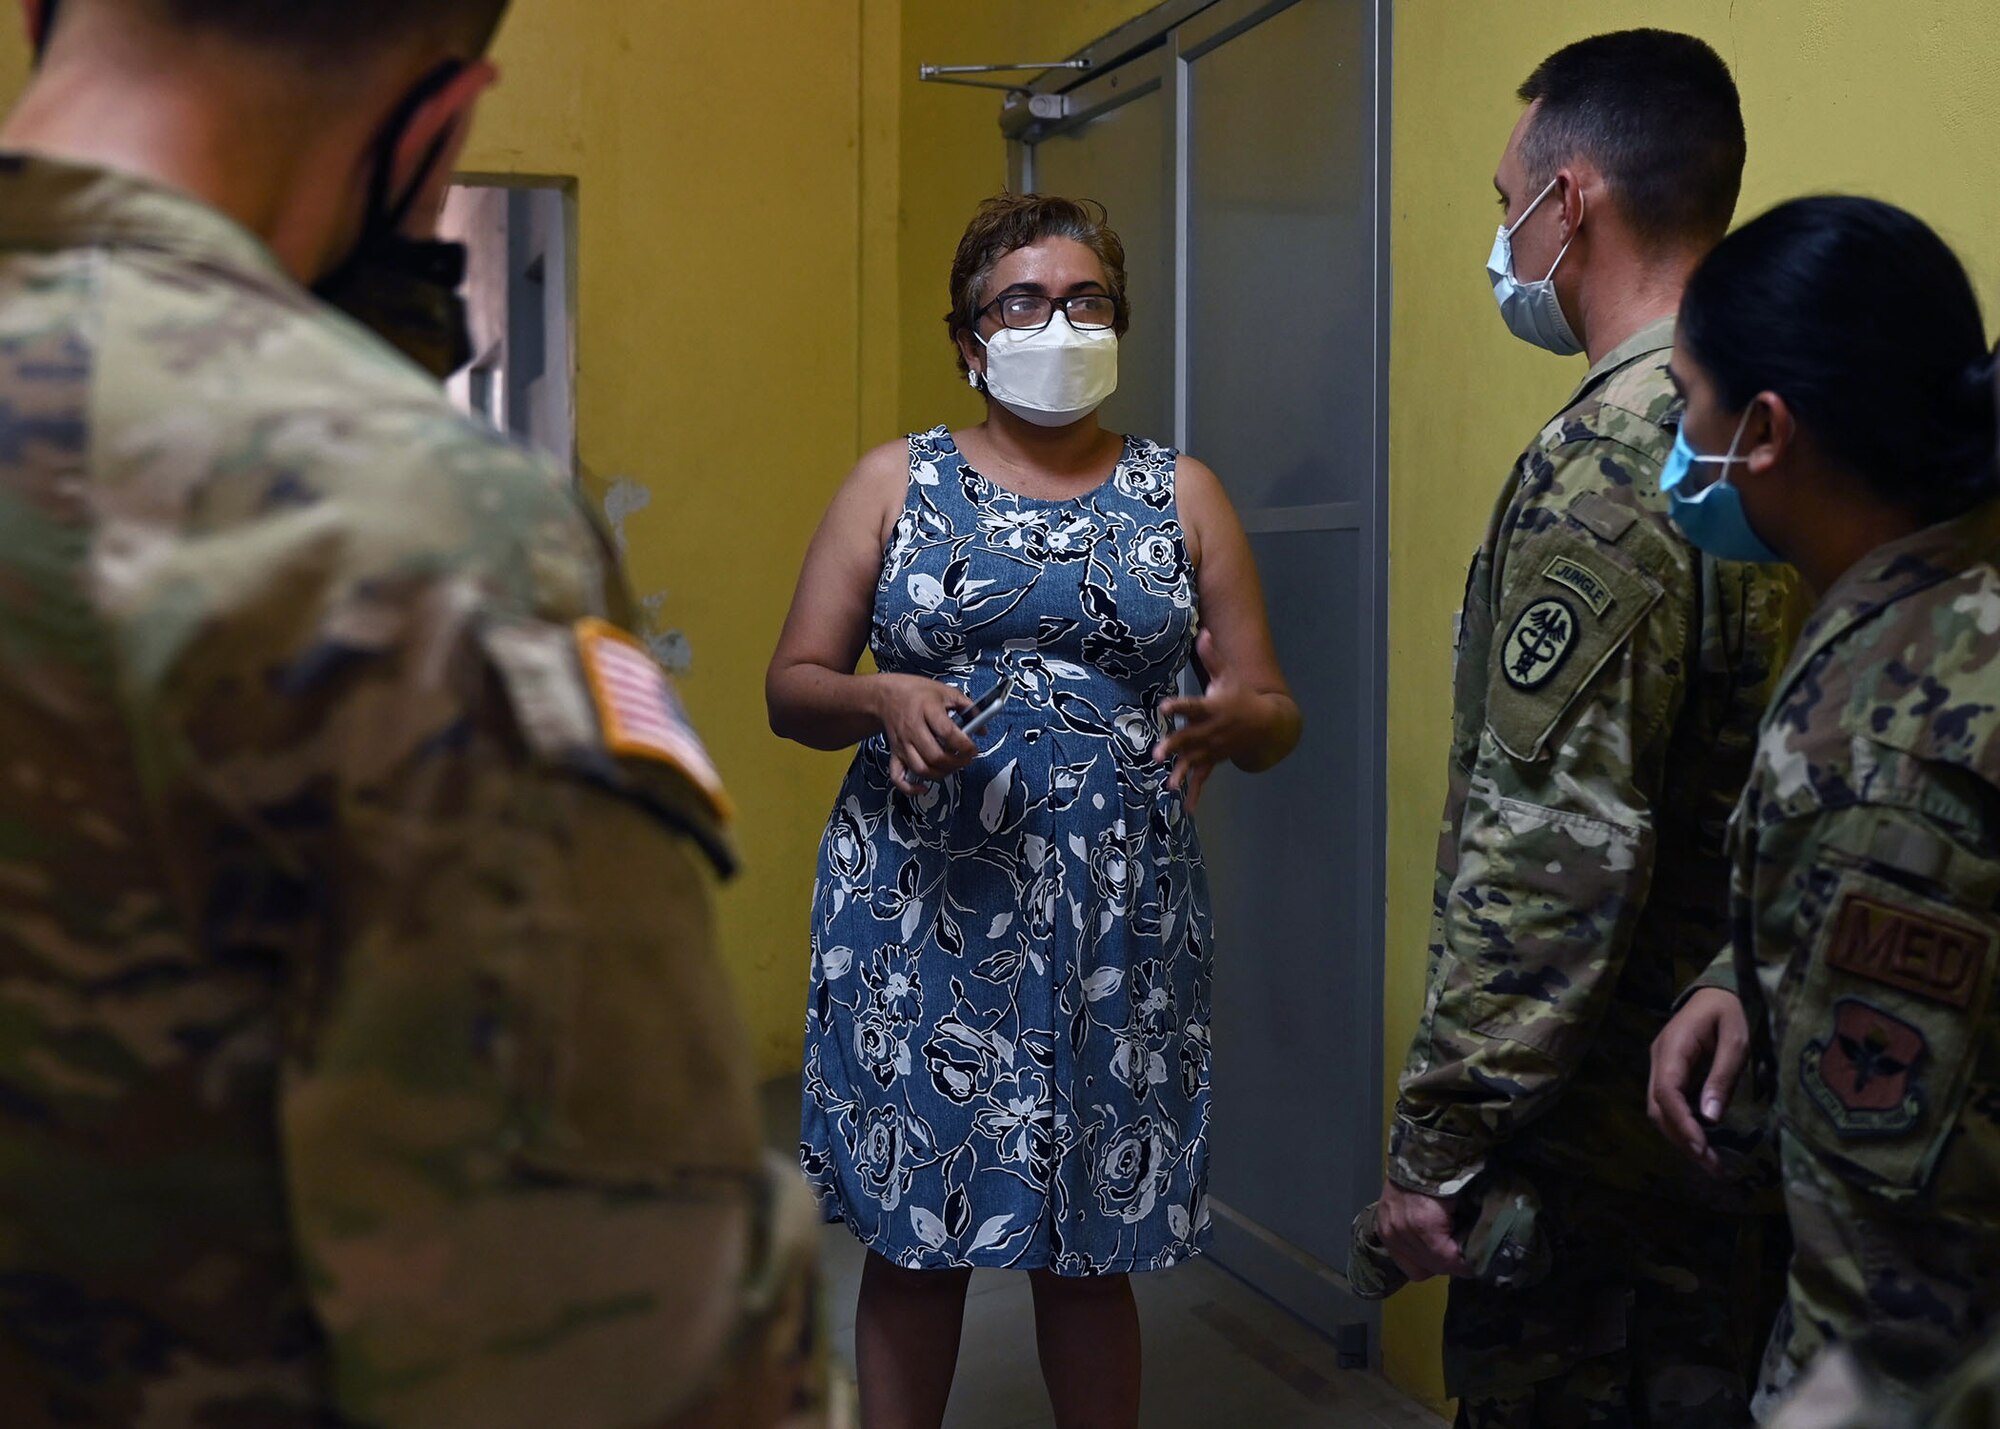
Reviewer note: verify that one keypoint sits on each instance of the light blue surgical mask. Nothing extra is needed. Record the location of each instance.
(1531, 310)
(1713, 518)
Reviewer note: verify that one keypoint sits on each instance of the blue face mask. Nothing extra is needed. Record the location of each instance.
(1531, 311)
(1713, 518)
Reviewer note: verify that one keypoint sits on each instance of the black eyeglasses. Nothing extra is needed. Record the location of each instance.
(1031, 312)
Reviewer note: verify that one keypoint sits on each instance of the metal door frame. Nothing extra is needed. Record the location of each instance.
(1159, 50)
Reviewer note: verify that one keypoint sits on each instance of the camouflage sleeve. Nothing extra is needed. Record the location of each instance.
(516, 1112)
(1719, 974)
(1556, 838)
(1880, 939)
(522, 1136)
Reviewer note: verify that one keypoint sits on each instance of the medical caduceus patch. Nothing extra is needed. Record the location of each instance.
(1539, 644)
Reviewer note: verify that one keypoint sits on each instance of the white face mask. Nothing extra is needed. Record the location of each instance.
(1531, 310)
(1052, 377)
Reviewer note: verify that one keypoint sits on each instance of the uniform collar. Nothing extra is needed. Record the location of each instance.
(49, 204)
(1894, 572)
(1655, 336)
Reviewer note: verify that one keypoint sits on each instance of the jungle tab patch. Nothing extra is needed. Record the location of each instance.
(1583, 581)
(1919, 953)
(1539, 644)
(641, 715)
(1862, 1074)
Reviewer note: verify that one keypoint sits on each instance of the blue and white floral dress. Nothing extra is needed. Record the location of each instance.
(1007, 1045)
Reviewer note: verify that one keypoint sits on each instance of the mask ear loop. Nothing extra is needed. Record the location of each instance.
(1572, 238)
(1540, 199)
(1741, 427)
(386, 215)
(1726, 461)
(44, 30)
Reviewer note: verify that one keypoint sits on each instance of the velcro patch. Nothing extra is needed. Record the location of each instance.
(641, 715)
(1863, 1073)
(1578, 577)
(1548, 648)
(1538, 644)
(1918, 952)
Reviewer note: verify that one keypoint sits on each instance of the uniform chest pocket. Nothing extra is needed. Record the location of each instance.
(1570, 605)
(1880, 1043)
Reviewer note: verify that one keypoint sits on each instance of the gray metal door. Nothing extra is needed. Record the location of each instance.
(1269, 116)
(1122, 155)
(518, 291)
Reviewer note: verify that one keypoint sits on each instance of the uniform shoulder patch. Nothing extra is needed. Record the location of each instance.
(1917, 952)
(1604, 518)
(1568, 607)
(639, 711)
(1539, 643)
(1863, 1073)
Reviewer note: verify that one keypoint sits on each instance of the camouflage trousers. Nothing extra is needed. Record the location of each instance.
(1654, 1316)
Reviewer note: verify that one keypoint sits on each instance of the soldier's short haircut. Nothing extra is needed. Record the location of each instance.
(335, 27)
(1864, 321)
(1658, 114)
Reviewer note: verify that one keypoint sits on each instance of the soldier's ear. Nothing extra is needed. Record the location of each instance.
(1569, 197)
(1771, 433)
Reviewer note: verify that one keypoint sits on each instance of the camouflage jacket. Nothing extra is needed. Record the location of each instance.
(364, 1055)
(1609, 681)
(1866, 920)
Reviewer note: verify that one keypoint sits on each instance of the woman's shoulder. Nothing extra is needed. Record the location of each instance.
(1195, 480)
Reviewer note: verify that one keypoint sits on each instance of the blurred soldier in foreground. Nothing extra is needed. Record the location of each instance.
(366, 1060)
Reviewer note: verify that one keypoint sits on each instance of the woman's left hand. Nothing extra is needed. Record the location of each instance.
(1224, 723)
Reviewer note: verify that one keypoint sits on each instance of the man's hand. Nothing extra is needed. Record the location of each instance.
(1712, 1032)
(1416, 1231)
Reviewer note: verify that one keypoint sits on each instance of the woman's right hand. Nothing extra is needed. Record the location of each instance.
(924, 744)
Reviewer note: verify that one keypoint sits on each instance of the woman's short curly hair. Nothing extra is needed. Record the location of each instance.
(1007, 222)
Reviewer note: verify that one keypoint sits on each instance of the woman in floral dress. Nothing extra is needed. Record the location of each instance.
(1007, 1049)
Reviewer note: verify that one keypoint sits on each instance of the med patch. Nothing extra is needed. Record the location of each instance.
(1906, 948)
(1862, 1073)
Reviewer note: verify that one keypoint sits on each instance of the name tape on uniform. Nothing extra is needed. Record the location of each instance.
(1583, 580)
(641, 715)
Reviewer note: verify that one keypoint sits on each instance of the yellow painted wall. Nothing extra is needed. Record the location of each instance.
(721, 329)
(1899, 100)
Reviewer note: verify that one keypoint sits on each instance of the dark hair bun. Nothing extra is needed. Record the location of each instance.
(1864, 320)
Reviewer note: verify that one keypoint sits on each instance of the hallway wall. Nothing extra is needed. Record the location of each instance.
(721, 335)
(1898, 101)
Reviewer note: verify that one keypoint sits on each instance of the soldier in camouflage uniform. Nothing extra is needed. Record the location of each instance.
(366, 1058)
(1841, 340)
(1608, 683)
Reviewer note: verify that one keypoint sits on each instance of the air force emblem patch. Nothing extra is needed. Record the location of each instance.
(1863, 1074)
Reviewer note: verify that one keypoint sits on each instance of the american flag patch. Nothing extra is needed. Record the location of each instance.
(641, 714)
